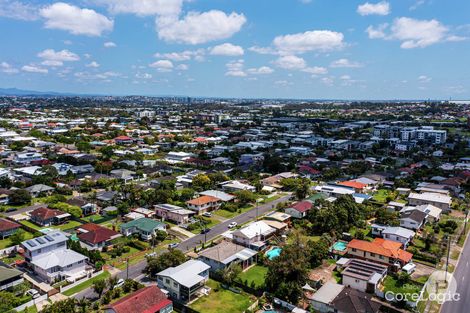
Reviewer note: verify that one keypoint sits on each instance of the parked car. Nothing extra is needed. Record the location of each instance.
(232, 225)
(207, 214)
(173, 245)
(119, 283)
(33, 293)
(10, 210)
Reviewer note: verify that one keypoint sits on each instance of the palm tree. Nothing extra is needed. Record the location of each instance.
(112, 281)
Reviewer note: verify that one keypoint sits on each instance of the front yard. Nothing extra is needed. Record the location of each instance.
(391, 284)
(86, 284)
(222, 300)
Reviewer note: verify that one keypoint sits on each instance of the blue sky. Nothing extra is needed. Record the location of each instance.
(321, 49)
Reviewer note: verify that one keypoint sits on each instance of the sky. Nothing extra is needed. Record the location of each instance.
(315, 49)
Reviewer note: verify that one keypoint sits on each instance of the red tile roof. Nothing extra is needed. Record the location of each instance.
(353, 184)
(302, 206)
(46, 213)
(95, 233)
(146, 300)
(383, 247)
(123, 138)
(203, 200)
(8, 225)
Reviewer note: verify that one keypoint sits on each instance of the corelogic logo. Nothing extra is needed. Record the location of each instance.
(440, 287)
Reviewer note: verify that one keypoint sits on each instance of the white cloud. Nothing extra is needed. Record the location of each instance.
(162, 65)
(377, 32)
(93, 64)
(381, 8)
(414, 33)
(227, 49)
(345, 77)
(283, 83)
(197, 28)
(182, 67)
(8, 68)
(263, 70)
(329, 81)
(18, 10)
(143, 76)
(109, 44)
(291, 62)
(235, 68)
(262, 50)
(31, 68)
(57, 58)
(418, 33)
(316, 40)
(186, 55)
(345, 63)
(144, 7)
(417, 4)
(424, 79)
(316, 70)
(75, 20)
(106, 76)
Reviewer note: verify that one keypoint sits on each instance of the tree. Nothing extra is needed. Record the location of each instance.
(187, 194)
(19, 197)
(288, 272)
(64, 306)
(165, 260)
(112, 281)
(98, 286)
(83, 146)
(230, 273)
(5, 182)
(201, 182)
(385, 217)
(245, 196)
(18, 237)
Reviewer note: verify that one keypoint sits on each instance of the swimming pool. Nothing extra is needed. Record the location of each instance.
(273, 253)
(340, 246)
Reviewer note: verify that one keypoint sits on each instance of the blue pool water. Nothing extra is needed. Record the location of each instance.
(340, 246)
(273, 253)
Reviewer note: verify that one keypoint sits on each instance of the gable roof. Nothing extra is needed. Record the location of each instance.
(415, 215)
(354, 301)
(46, 213)
(186, 274)
(145, 300)
(203, 200)
(302, 206)
(143, 224)
(353, 184)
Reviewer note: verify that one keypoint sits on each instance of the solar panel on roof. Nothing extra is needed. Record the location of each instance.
(49, 238)
(55, 234)
(40, 240)
(31, 243)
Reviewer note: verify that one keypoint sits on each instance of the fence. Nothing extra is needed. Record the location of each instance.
(78, 282)
(31, 303)
(7, 251)
(182, 308)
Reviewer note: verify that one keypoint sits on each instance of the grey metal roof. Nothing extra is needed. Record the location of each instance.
(186, 274)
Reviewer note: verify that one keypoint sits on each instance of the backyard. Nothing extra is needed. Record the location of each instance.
(254, 275)
(222, 300)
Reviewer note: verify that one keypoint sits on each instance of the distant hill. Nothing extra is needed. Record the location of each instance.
(22, 92)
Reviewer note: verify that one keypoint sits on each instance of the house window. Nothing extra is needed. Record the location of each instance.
(372, 255)
(353, 249)
(381, 257)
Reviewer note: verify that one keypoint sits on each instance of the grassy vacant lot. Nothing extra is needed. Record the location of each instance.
(212, 223)
(227, 214)
(381, 195)
(86, 284)
(256, 274)
(391, 284)
(222, 300)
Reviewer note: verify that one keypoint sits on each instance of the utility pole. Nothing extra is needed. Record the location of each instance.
(465, 223)
(127, 268)
(448, 252)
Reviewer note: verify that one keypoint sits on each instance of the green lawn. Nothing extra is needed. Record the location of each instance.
(391, 284)
(86, 284)
(5, 243)
(381, 195)
(92, 218)
(227, 214)
(31, 225)
(212, 223)
(222, 300)
(256, 274)
(68, 225)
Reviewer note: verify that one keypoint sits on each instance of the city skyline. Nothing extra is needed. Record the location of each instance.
(294, 49)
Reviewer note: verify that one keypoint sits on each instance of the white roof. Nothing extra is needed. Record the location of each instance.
(431, 196)
(218, 194)
(186, 274)
(60, 258)
(256, 228)
(328, 292)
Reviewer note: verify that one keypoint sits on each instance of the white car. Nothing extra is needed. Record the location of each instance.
(207, 214)
(119, 283)
(232, 225)
(33, 293)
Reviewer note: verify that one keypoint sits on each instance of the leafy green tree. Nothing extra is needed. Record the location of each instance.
(20, 197)
(99, 286)
(18, 237)
(83, 146)
(65, 306)
(165, 260)
(201, 182)
(230, 273)
(245, 196)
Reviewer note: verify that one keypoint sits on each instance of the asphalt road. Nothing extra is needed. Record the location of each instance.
(218, 229)
(25, 209)
(135, 270)
(462, 275)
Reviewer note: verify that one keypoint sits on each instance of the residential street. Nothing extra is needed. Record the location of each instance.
(462, 276)
(25, 209)
(135, 270)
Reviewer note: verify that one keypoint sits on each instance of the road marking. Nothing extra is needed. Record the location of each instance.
(466, 264)
(463, 277)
